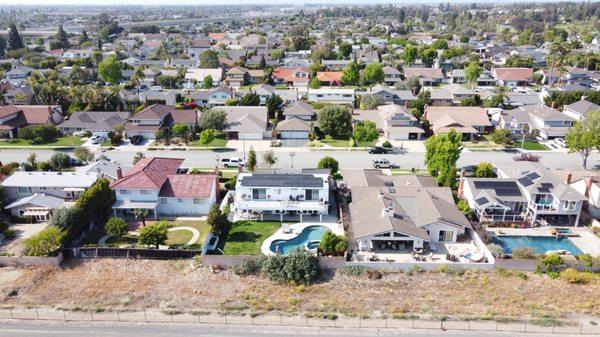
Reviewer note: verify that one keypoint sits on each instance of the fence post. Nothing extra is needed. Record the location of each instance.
(64, 315)
(145, 319)
(581, 328)
(11, 313)
(412, 326)
(37, 314)
(118, 317)
(468, 325)
(496, 325)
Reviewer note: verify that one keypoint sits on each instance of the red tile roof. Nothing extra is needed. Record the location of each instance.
(513, 74)
(148, 173)
(289, 74)
(329, 76)
(32, 114)
(188, 186)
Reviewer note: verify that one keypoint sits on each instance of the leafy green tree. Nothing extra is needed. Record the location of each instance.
(60, 161)
(365, 132)
(472, 72)
(584, 136)
(441, 154)
(344, 51)
(485, 170)
(217, 220)
(501, 136)
(369, 102)
(301, 267)
(213, 119)
(207, 83)
(84, 154)
(335, 120)
(464, 207)
(410, 54)
(155, 234)
(14, 38)
(274, 106)
(332, 244)
(428, 56)
(44, 243)
(351, 74)
(314, 83)
(207, 136)
(142, 214)
(3, 46)
(329, 163)
(252, 159)
(62, 37)
(110, 70)
(373, 73)
(269, 158)
(250, 99)
(209, 59)
(116, 227)
(180, 129)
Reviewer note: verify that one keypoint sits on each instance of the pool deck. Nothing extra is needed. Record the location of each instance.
(295, 230)
(586, 240)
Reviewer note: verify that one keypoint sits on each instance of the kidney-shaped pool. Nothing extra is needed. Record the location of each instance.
(309, 238)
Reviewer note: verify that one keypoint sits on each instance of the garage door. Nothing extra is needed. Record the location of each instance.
(294, 135)
(250, 135)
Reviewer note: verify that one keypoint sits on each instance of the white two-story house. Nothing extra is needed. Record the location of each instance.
(330, 95)
(275, 195)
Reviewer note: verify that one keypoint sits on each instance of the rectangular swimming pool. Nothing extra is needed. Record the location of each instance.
(540, 244)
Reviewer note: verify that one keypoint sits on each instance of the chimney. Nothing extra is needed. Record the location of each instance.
(461, 183)
(387, 211)
(119, 172)
(240, 169)
(553, 105)
(406, 104)
(217, 184)
(569, 178)
(589, 181)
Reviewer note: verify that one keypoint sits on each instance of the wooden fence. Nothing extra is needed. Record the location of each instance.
(128, 253)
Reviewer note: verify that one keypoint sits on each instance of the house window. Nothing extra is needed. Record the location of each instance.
(124, 192)
(570, 205)
(180, 200)
(145, 191)
(312, 194)
(259, 193)
(197, 201)
(24, 190)
(445, 236)
(164, 201)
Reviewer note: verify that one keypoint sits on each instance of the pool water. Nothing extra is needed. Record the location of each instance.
(308, 238)
(540, 244)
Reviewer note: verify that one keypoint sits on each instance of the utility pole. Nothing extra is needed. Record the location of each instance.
(292, 154)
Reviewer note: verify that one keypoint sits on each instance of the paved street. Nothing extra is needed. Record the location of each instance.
(88, 329)
(347, 159)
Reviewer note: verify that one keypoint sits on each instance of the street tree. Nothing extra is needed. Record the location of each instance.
(269, 158)
(213, 119)
(252, 159)
(329, 163)
(584, 136)
(110, 70)
(207, 136)
(84, 154)
(365, 132)
(335, 120)
(441, 154)
(351, 74)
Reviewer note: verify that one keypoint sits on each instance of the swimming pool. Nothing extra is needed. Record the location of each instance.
(540, 244)
(310, 237)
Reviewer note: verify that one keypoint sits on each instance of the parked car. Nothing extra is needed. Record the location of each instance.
(382, 163)
(96, 139)
(378, 150)
(232, 162)
(527, 157)
(136, 140)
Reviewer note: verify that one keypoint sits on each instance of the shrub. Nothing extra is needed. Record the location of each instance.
(272, 267)
(550, 264)
(357, 270)
(573, 276)
(60, 161)
(250, 266)
(39, 134)
(298, 267)
(387, 144)
(496, 250)
(230, 184)
(44, 243)
(330, 163)
(523, 253)
(332, 244)
(116, 227)
(155, 234)
(116, 140)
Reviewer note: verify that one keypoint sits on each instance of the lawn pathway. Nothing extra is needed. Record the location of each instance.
(193, 240)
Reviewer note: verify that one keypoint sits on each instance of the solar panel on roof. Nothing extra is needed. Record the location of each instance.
(546, 185)
(508, 192)
(495, 184)
(525, 181)
(481, 201)
(282, 180)
(543, 189)
(533, 175)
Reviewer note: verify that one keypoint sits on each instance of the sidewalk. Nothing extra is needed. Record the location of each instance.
(331, 321)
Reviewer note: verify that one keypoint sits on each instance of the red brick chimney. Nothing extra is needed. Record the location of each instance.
(589, 181)
(406, 104)
(217, 184)
(553, 105)
(461, 183)
(119, 172)
(569, 178)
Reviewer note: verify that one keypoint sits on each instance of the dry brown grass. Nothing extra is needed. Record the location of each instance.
(132, 285)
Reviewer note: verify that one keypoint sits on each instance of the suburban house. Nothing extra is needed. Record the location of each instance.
(22, 95)
(512, 77)
(237, 77)
(294, 128)
(451, 94)
(400, 97)
(14, 117)
(547, 122)
(197, 75)
(155, 184)
(401, 213)
(587, 184)
(426, 76)
(331, 95)
(458, 76)
(468, 121)
(334, 65)
(18, 74)
(301, 110)
(292, 76)
(265, 91)
(212, 97)
(550, 200)
(38, 193)
(104, 168)
(494, 199)
(99, 123)
(158, 117)
(579, 109)
(247, 122)
(394, 121)
(282, 193)
(391, 75)
(330, 78)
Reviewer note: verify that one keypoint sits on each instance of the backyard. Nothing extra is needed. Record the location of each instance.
(246, 237)
(70, 141)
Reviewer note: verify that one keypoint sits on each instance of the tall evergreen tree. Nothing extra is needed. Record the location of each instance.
(62, 37)
(14, 38)
(263, 63)
(83, 37)
(2, 46)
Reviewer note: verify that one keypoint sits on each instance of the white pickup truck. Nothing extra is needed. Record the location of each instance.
(232, 162)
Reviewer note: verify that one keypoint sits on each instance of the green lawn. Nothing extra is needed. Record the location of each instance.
(217, 142)
(531, 145)
(404, 171)
(246, 237)
(182, 237)
(70, 141)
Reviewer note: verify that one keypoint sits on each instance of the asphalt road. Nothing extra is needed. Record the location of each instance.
(89, 329)
(347, 159)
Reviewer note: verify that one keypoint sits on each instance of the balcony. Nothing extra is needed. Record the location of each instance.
(543, 206)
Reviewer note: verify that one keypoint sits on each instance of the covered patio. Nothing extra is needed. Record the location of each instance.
(125, 207)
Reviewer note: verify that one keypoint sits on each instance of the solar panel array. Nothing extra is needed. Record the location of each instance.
(501, 188)
(282, 180)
